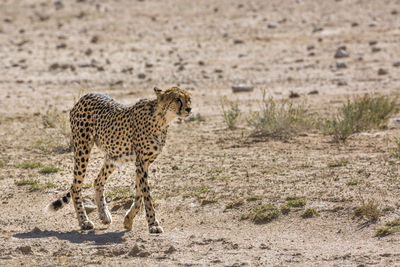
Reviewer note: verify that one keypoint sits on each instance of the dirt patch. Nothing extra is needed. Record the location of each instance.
(209, 177)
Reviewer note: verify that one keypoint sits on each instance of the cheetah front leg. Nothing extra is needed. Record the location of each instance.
(105, 172)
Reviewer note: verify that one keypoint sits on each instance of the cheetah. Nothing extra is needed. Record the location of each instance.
(124, 133)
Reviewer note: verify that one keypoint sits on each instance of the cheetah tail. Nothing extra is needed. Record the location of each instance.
(59, 203)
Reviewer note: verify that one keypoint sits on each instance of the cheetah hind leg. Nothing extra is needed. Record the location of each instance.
(105, 172)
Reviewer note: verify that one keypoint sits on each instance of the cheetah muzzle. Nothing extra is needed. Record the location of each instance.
(124, 133)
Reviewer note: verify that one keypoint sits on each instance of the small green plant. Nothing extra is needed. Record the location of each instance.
(49, 185)
(262, 214)
(29, 165)
(234, 204)
(59, 121)
(285, 209)
(121, 197)
(49, 169)
(390, 228)
(230, 112)
(33, 184)
(23, 182)
(295, 201)
(339, 163)
(309, 213)
(368, 210)
(196, 191)
(196, 118)
(360, 115)
(353, 182)
(279, 120)
(254, 198)
(396, 150)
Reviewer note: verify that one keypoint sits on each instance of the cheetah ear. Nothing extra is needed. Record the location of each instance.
(158, 91)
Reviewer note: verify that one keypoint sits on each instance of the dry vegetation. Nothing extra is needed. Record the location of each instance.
(302, 171)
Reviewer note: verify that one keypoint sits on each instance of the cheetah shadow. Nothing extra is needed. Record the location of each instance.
(76, 236)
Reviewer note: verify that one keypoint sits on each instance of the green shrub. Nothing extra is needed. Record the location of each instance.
(279, 120)
(369, 211)
(49, 169)
(309, 213)
(360, 115)
(390, 228)
(262, 214)
(230, 112)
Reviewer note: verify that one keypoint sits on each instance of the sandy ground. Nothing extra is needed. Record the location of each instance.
(52, 51)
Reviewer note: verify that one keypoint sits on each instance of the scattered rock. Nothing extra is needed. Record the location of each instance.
(36, 230)
(61, 46)
(88, 52)
(371, 43)
(218, 71)
(341, 65)
(371, 25)
(341, 53)
(168, 39)
(148, 65)
(355, 24)
(181, 67)
(238, 41)
(42, 17)
(25, 250)
(317, 28)
(236, 88)
(394, 12)
(89, 205)
(310, 47)
(201, 63)
(263, 246)
(342, 83)
(141, 76)
(119, 82)
(170, 250)
(375, 49)
(313, 92)
(293, 95)
(396, 64)
(271, 25)
(58, 5)
(127, 70)
(382, 71)
(94, 39)
(81, 15)
(138, 252)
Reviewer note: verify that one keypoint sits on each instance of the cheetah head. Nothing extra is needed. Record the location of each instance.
(174, 102)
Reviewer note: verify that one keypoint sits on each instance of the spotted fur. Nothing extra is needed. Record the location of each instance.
(125, 133)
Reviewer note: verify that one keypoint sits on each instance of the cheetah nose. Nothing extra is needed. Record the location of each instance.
(188, 110)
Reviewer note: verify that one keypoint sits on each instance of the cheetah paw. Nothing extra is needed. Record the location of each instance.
(156, 229)
(87, 225)
(105, 216)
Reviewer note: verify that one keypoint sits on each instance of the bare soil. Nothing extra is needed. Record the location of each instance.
(53, 51)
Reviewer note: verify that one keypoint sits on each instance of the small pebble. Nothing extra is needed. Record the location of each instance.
(375, 49)
(240, 87)
(355, 24)
(293, 95)
(341, 53)
(313, 92)
(396, 64)
(341, 65)
(382, 72)
(271, 25)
